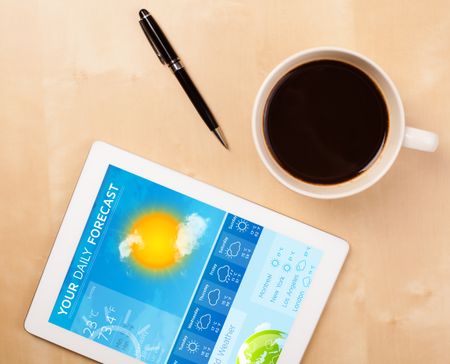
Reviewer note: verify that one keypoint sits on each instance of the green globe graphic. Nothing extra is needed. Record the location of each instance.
(263, 347)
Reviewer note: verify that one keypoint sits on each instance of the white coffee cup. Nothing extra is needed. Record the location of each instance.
(398, 134)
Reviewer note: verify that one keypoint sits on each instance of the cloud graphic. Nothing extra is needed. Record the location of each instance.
(213, 297)
(125, 245)
(263, 326)
(204, 322)
(189, 233)
(233, 249)
(223, 273)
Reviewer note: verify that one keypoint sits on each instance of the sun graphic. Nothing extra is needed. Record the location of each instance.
(159, 240)
(242, 225)
(155, 240)
(192, 346)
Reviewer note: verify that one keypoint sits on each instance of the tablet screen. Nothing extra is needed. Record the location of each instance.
(163, 277)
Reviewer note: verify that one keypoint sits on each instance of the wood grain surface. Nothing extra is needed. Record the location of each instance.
(72, 72)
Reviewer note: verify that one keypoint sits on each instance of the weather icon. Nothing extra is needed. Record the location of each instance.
(192, 346)
(214, 296)
(160, 240)
(233, 249)
(242, 225)
(301, 265)
(203, 322)
(223, 274)
(306, 282)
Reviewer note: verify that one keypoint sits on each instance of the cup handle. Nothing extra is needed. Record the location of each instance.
(419, 139)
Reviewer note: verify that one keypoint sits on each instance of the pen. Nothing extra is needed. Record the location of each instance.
(167, 56)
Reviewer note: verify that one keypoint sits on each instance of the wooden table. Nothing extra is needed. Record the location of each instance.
(74, 72)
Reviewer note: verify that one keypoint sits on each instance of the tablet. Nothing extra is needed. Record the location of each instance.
(152, 266)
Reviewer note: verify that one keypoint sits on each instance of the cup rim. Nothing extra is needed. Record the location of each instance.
(268, 160)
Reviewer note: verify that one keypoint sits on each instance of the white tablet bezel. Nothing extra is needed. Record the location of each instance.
(100, 157)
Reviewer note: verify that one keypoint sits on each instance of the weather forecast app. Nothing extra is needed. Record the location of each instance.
(165, 278)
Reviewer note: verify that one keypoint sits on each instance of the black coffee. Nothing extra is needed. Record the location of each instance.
(325, 122)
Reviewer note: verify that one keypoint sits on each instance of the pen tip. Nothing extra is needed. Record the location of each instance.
(219, 134)
(143, 13)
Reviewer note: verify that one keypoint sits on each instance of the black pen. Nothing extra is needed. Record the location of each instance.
(167, 56)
